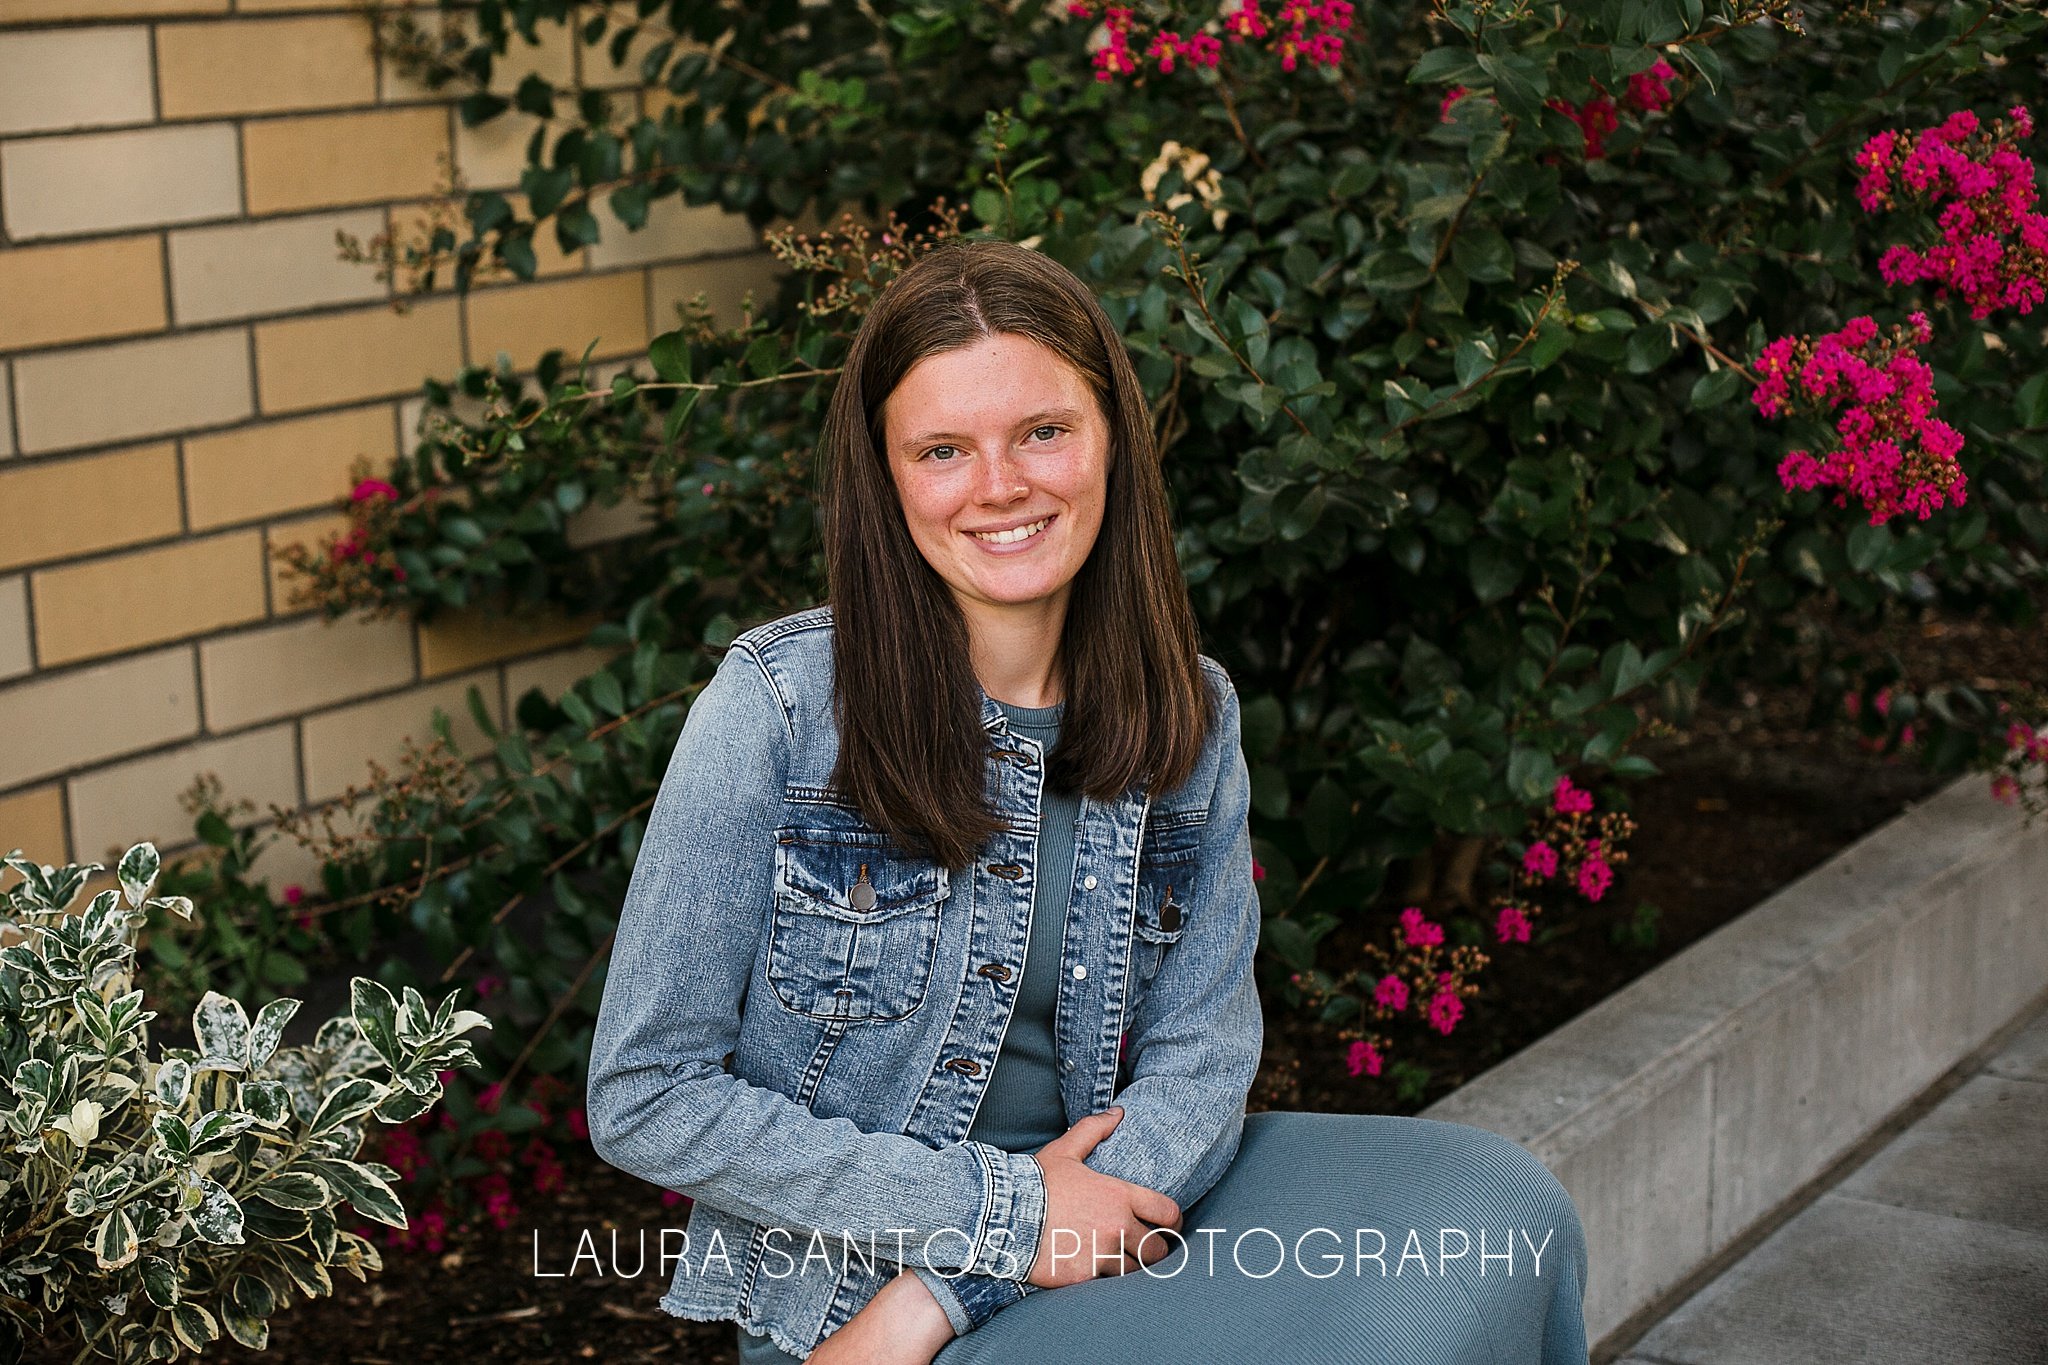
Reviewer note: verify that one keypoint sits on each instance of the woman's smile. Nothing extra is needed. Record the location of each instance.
(1015, 541)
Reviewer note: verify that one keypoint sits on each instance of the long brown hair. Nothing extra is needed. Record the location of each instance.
(912, 750)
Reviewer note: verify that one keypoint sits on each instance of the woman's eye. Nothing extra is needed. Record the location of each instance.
(1055, 430)
(928, 454)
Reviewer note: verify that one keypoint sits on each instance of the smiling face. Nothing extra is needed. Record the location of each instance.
(1000, 434)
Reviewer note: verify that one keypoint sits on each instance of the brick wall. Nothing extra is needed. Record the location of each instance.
(187, 371)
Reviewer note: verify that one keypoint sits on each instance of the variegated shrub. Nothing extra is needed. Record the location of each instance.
(147, 1206)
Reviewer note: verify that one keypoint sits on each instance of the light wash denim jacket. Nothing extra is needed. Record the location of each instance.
(803, 1055)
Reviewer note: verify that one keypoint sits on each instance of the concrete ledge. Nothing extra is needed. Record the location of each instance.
(1685, 1108)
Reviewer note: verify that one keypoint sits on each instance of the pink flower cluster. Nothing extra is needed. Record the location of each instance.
(1648, 92)
(1993, 251)
(1300, 29)
(1896, 455)
(1445, 1008)
(1418, 932)
(1391, 993)
(1363, 1059)
(1511, 925)
(427, 1232)
(1882, 704)
(1560, 842)
(1596, 119)
(2026, 750)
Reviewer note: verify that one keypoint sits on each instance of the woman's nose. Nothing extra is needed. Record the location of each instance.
(1001, 480)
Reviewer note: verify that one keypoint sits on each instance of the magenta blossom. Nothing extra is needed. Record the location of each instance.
(1419, 932)
(374, 488)
(1391, 993)
(1445, 1009)
(1595, 876)
(1511, 925)
(1569, 800)
(1363, 1059)
(1540, 860)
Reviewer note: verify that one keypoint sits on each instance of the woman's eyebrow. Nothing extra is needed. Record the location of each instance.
(1042, 415)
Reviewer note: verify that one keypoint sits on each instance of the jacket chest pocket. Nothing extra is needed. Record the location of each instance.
(1167, 868)
(854, 930)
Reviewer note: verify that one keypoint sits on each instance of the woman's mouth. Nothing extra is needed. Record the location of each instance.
(1016, 538)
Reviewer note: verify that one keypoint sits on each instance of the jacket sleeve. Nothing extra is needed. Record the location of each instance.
(661, 1104)
(1195, 1039)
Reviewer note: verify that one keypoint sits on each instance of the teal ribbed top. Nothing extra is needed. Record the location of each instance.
(1022, 1110)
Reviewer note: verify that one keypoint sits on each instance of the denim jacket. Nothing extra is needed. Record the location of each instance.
(799, 1022)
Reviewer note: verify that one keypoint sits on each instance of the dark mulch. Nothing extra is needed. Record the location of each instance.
(1750, 800)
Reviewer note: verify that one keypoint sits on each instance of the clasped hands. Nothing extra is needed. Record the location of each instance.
(904, 1325)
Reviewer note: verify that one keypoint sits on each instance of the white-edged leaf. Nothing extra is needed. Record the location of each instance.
(138, 869)
(222, 1027)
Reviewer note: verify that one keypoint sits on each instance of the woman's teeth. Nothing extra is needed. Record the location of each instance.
(1011, 537)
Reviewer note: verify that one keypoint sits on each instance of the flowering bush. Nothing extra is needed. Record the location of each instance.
(1439, 311)
(148, 1206)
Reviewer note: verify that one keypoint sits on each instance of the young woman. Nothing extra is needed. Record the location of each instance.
(933, 985)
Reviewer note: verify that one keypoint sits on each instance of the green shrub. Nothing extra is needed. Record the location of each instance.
(148, 1205)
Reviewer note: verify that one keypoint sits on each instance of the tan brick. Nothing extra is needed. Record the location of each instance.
(28, 11)
(599, 73)
(276, 266)
(65, 78)
(60, 721)
(456, 640)
(328, 160)
(672, 229)
(492, 154)
(282, 862)
(33, 822)
(525, 320)
(311, 532)
(554, 673)
(107, 606)
(554, 59)
(723, 282)
(81, 291)
(136, 799)
(56, 509)
(413, 411)
(14, 654)
(287, 669)
(104, 182)
(365, 353)
(260, 471)
(414, 223)
(264, 66)
(136, 388)
(339, 744)
(283, 6)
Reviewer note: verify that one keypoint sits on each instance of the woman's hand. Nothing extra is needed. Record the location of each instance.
(1099, 1214)
(901, 1325)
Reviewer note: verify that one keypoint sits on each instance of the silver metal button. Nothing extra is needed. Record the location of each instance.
(1066, 1066)
(1088, 882)
(1079, 971)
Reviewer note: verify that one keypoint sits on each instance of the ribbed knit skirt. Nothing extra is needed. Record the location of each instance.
(1332, 1238)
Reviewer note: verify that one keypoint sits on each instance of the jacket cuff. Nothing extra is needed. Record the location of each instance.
(971, 1300)
(1006, 1243)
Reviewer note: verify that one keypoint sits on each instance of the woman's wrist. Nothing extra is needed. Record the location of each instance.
(922, 1312)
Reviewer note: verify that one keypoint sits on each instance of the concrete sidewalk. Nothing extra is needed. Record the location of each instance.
(1933, 1250)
